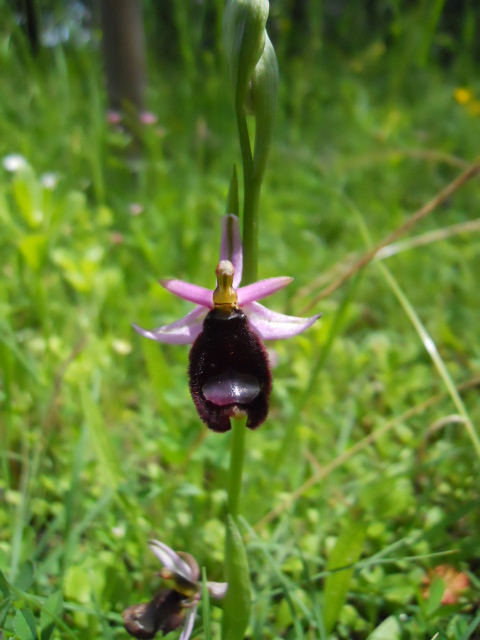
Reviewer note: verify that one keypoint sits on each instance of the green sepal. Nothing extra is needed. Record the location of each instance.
(243, 41)
(237, 602)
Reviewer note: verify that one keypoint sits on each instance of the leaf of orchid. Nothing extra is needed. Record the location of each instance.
(183, 331)
(231, 246)
(270, 325)
(237, 603)
(190, 292)
(261, 289)
(170, 559)
(188, 626)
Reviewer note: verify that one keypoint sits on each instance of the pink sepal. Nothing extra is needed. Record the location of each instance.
(270, 325)
(231, 246)
(189, 622)
(183, 331)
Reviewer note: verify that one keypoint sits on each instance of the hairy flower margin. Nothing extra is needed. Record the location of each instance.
(229, 370)
(175, 607)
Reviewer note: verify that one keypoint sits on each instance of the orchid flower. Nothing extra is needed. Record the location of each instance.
(229, 369)
(171, 608)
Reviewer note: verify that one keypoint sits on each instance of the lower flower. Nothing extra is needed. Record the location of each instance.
(173, 607)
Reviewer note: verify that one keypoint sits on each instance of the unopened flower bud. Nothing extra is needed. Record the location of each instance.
(264, 104)
(244, 40)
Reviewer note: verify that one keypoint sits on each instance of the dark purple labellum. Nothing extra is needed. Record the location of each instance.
(229, 371)
(163, 613)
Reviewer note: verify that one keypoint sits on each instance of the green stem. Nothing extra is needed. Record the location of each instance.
(237, 456)
(251, 190)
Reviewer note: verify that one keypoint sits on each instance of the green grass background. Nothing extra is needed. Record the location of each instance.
(101, 447)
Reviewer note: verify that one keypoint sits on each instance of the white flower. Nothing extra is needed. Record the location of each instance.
(14, 162)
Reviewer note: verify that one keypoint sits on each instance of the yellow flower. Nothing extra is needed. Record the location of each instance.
(462, 95)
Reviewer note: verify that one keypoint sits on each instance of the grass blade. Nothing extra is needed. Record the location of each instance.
(344, 555)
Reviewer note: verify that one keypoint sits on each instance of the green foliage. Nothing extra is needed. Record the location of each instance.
(341, 564)
(206, 607)
(100, 446)
(237, 602)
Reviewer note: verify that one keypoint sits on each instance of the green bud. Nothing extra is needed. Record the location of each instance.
(264, 89)
(243, 40)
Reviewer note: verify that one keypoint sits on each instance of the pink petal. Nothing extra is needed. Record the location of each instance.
(190, 292)
(231, 246)
(147, 117)
(261, 289)
(270, 325)
(183, 331)
(188, 626)
(170, 559)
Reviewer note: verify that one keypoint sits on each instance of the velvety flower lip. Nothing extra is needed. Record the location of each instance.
(267, 324)
(171, 608)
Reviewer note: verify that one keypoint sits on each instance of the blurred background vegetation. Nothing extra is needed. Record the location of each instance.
(101, 447)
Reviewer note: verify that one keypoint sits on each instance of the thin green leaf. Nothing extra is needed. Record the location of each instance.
(437, 589)
(50, 613)
(109, 463)
(345, 553)
(206, 607)
(389, 629)
(25, 576)
(25, 626)
(4, 609)
(4, 586)
(472, 628)
(425, 337)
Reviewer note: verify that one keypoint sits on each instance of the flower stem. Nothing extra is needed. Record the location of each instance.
(251, 190)
(237, 455)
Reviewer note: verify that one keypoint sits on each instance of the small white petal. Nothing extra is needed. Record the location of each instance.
(217, 590)
(170, 559)
(49, 180)
(189, 622)
(270, 325)
(183, 331)
(14, 162)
